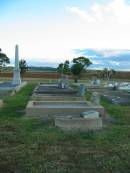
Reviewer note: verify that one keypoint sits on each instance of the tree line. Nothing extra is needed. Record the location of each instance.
(76, 67)
(79, 65)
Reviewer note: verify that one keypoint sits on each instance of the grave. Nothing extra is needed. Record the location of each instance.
(95, 98)
(117, 97)
(7, 88)
(96, 82)
(54, 97)
(16, 84)
(52, 92)
(52, 109)
(93, 87)
(64, 106)
(78, 124)
(121, 86)
(54, 89)
(63, 81)
(16, 74)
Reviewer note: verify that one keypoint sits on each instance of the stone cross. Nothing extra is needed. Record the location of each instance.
(16, 73)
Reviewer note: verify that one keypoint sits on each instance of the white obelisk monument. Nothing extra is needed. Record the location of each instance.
(16, 73)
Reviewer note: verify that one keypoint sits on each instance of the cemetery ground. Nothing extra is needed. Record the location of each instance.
(34, 146)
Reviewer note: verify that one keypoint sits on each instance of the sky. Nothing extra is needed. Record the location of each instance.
(51, 31)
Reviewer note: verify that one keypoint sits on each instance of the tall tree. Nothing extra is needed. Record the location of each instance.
(64, 68)
(78, 66)
(85, 62)
(3, 60)
(23, 66)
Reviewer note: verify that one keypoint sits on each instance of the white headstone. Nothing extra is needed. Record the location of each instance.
(16, 73)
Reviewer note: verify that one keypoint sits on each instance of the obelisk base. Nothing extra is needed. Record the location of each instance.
(16, 77)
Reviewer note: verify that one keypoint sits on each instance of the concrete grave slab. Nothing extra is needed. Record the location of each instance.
(8, 87)
(117, 98)
(52, 92)
(94, 88)
(51, 109)
(54, 89)
(80, 124)
(51, 97)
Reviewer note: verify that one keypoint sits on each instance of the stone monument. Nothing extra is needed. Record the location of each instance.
(63, 82)
(96, 82)
(82, 90)
(16, 73)
(95, 98)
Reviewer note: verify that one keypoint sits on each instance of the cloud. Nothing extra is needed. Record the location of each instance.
(102, 25)
(52, 35)
(116, 59)
(95, 62)
(114, 63)
(81, 13)
(111, 52)
(116, 11)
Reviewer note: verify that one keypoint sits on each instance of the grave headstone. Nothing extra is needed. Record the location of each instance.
(82, 90)
(96, 82)
(95, 98)
(63, 81)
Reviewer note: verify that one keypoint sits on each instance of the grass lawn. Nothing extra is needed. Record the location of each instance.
(33, 146)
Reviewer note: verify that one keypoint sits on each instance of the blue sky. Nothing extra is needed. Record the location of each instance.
(54, 30)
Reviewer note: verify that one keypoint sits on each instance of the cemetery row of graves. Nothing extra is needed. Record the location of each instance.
(63, 126)
(31, 144)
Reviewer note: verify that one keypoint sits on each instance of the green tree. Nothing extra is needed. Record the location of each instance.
(3, 60)
(63, 68)
(85, 62)
(79, 65)
(23, 66)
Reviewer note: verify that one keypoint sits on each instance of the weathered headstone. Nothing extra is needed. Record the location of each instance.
(82, 90)
(95, 98)
(63, 82)
(96, 82)
(66, 81)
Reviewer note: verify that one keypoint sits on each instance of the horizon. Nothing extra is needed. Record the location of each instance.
(55, 31)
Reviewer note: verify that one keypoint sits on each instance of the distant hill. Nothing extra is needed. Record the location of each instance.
(40, 69)
(7, 69)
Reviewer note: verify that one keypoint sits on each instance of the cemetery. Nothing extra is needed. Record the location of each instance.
(59, 125)
(65, 86)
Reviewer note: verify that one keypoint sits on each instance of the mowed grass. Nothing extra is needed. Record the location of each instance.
(35, 146)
